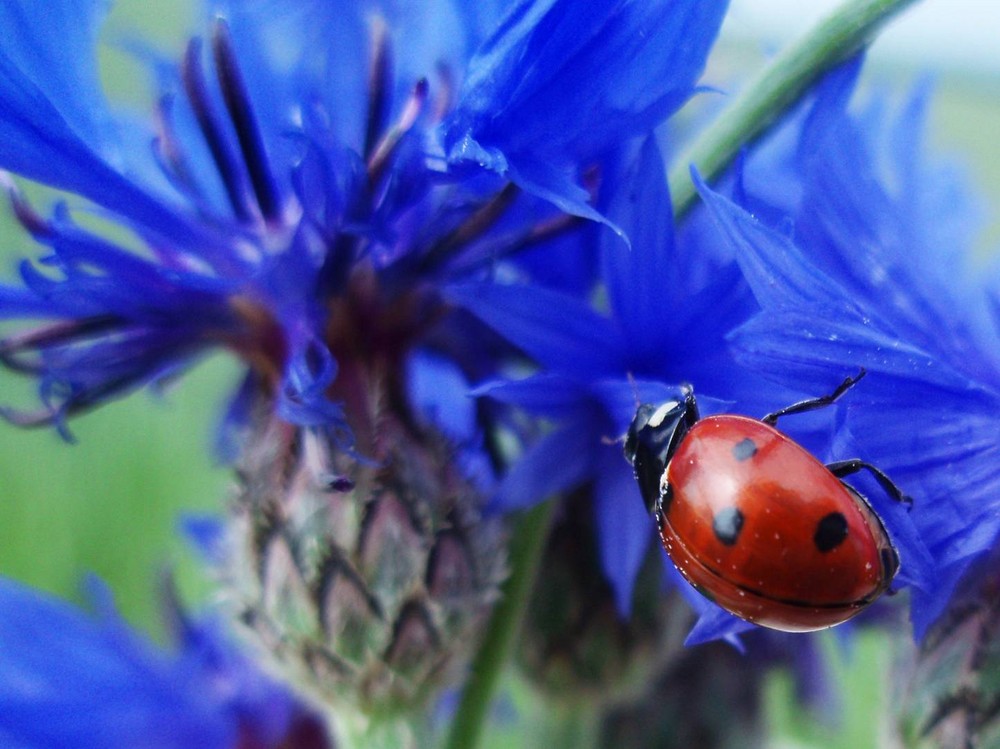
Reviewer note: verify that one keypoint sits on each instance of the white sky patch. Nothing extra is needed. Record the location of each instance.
(955, 35)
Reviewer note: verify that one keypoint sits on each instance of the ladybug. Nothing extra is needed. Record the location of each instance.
(756, 523)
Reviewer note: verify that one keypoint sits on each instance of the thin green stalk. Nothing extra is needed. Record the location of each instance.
(526, 550)
(778, 87)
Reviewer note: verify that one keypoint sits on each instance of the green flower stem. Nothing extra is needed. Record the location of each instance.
(778, 87)
(572, 725)
(526, 549)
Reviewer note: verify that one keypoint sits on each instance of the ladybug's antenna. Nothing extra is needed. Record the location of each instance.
(814, 403)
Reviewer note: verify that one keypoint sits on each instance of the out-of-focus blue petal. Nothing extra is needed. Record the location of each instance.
(270, 36)
(67, 680)
(235, 419)
(207, 534)
(561, 460)
(559, 81)
(308, 372)
(56, 127)
(556, 330)
(625, 526)
(52, 45)
(550, 395)
(441, 391)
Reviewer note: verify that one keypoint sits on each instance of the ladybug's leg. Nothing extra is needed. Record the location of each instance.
(846, 467)
(813, 403)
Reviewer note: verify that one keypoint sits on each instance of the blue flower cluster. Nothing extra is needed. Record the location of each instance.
(468, 197)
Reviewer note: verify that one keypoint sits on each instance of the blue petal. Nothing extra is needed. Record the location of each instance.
(439, 388)
(553, 396)
(918, 567)
(297, 52)
(641, 278)
(207, 534)
(625, 528)
(66, 680)
(944, 453)
(559, 461)
(51, 48)
(813, 343)
(558, 331)
(308, 372)
(236, 418)
(560, 81)
(55, 126)
(714, 622)
(774, 267)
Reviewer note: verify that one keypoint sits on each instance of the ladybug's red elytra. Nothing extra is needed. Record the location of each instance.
(756, 523)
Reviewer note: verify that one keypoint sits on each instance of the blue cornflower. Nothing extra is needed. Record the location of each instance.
(671, 301)
(317, 170)
(864, 261)
(72, 680)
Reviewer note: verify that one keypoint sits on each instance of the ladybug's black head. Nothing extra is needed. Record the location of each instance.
(652, 439)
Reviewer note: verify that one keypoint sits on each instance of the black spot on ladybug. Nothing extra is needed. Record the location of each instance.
(744, 449)
(727, 524)
(830, 532)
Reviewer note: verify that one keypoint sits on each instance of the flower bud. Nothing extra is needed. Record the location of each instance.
(368, 579)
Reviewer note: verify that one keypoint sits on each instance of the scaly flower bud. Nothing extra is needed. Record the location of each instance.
(368, 579)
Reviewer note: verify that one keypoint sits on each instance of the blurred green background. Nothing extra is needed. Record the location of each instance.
(110, 503)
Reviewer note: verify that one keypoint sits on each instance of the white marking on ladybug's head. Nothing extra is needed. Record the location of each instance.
(661, 413)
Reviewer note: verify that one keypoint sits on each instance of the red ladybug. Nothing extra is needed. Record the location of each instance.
(757, 524)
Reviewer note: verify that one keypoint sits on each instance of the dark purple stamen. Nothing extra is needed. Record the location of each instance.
(499, 247)
(474, 226)
(75, 400)
(379, 84)
(225, 160)
(237, 100)
(26, 216)
(510, 244)
(55, 334)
